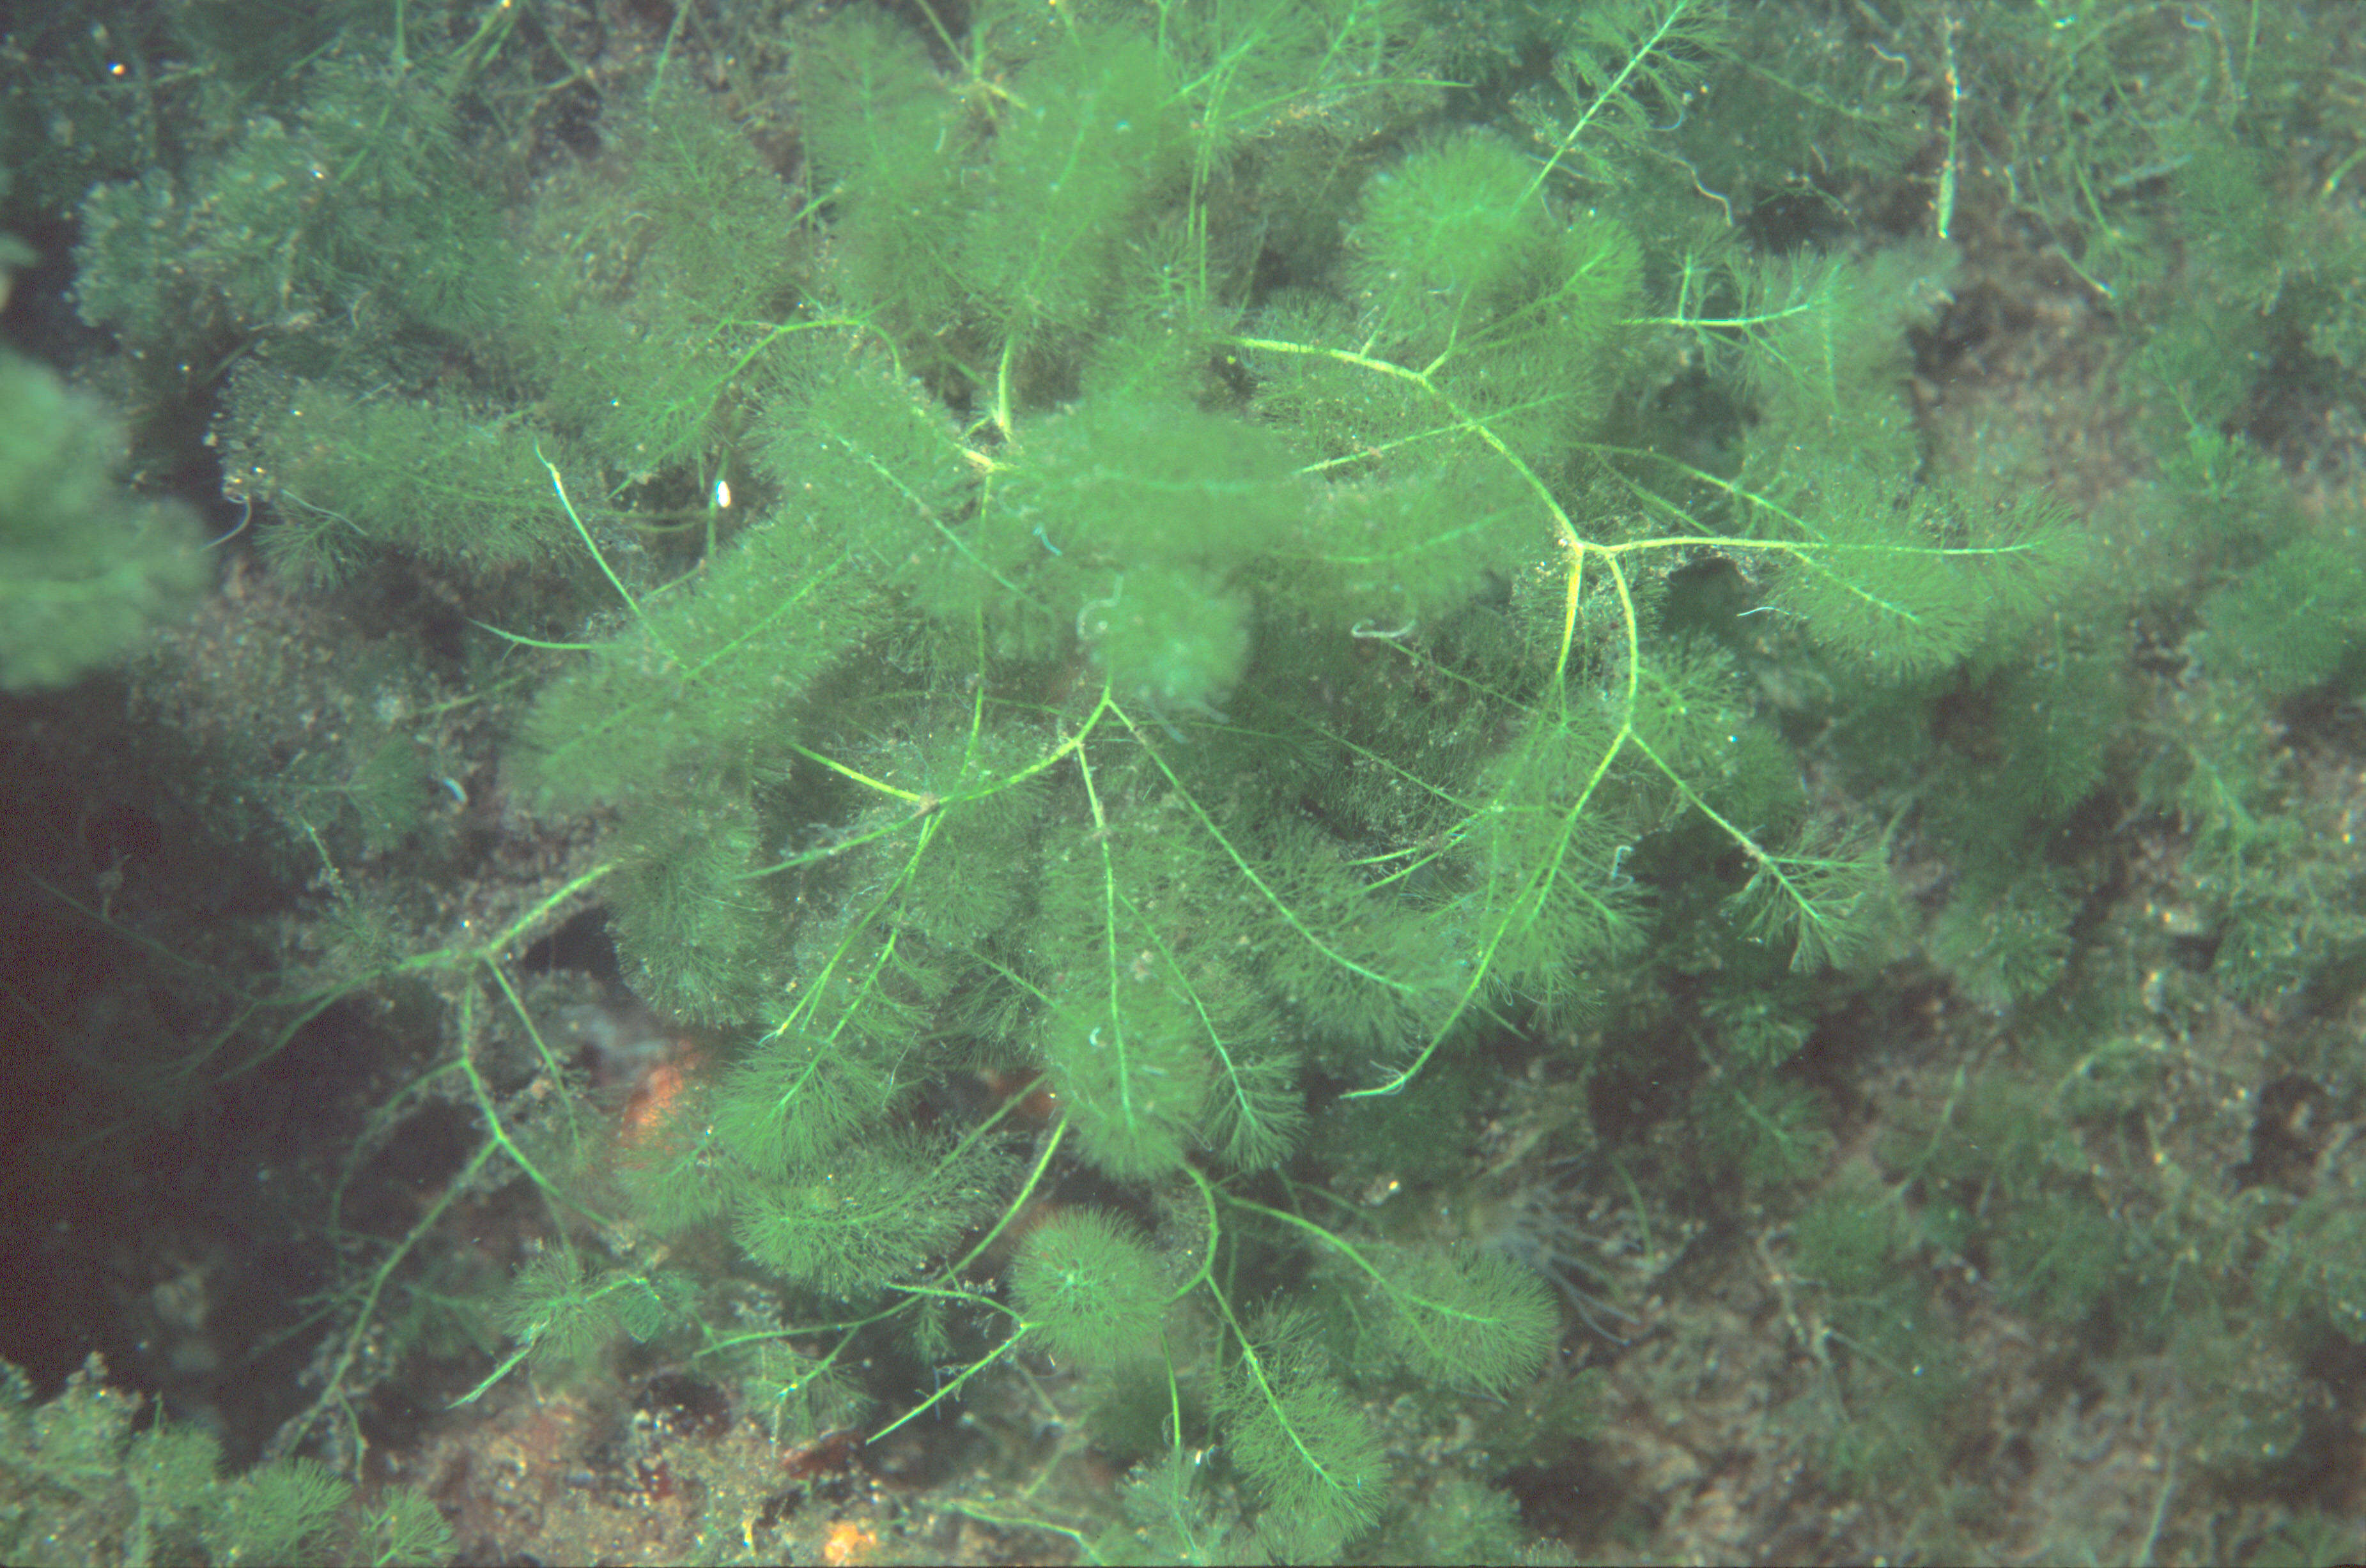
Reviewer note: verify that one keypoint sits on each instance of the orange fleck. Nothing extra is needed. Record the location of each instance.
(848, 1542)
(658, 1098)
(653, 1100)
